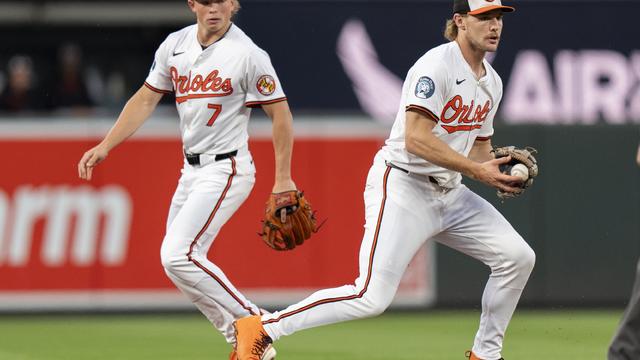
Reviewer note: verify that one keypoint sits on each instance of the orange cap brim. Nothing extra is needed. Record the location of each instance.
(485, 9)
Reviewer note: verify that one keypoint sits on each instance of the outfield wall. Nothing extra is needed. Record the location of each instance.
(67, 244)
(582, 217)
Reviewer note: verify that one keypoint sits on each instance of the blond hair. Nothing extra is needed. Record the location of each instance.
(450, 30)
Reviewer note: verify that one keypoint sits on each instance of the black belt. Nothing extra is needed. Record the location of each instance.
(392, 165)
(194, 159)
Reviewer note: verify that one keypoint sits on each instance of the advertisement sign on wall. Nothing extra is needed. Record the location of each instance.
(66, 244)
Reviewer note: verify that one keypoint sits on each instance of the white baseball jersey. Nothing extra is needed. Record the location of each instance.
(215, 88)
(442, 84)
(403, 211)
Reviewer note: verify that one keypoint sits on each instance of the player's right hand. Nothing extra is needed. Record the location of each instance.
(89, 160)
(489, 173)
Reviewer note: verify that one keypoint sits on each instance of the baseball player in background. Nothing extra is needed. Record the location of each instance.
(413, 193)
(217, 74)
(626, 342)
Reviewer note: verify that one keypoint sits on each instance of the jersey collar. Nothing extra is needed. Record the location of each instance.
(232, 28)
(466, 65)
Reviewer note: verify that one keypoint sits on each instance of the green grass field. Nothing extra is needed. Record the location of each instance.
(437, 335)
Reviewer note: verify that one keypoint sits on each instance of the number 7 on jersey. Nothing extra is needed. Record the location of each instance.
(217, 109)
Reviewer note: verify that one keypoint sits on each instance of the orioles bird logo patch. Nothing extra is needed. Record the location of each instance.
(266, 85)
(425, 87)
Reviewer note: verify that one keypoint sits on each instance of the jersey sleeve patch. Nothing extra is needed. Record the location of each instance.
(266, 85)
(425, 88)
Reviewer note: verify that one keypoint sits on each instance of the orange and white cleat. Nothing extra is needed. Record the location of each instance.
(252, 341)
(471, 356)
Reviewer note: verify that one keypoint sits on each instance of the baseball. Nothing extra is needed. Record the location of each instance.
(521, 171)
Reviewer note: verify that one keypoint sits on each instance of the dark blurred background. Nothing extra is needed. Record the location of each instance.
(93, 55)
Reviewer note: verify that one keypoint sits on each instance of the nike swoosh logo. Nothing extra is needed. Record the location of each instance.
(458, 82)
(178, 53)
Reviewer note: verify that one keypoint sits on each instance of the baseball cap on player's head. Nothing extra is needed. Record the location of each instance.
(475, 7)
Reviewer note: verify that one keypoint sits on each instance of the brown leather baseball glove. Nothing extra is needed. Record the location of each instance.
(518, 156)
(288, 220)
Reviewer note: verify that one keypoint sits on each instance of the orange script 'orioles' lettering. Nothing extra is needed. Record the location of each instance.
(468, 117)
(211, 86)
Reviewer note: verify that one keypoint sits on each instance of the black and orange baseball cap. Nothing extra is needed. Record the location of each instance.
(475, 7)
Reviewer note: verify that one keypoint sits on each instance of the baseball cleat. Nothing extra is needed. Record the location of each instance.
(253, 343)
(234, 354)
(471, 356)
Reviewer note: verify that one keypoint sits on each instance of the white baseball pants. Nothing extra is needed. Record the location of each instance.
(402, 212)
(206, 197)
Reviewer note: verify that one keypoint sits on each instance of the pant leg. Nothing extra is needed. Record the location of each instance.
(205, 200)
(397, 223)
(474, 227)
(217, 315)
(626, 342)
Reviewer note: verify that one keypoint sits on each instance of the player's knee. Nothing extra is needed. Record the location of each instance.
(177, 265)
(375, 304)
(168, 261)
(523, 259)
(526, 259)
(371, 309)
(171, 260)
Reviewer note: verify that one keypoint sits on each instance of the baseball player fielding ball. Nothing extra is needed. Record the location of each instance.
(414, 192)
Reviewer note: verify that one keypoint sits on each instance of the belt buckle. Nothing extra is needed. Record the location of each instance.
(192, 159)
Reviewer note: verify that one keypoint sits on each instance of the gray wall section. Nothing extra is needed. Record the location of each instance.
(581, 217)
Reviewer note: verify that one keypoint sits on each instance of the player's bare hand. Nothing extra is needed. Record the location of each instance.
(282, 186)
(89, 160)
(489, 173)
